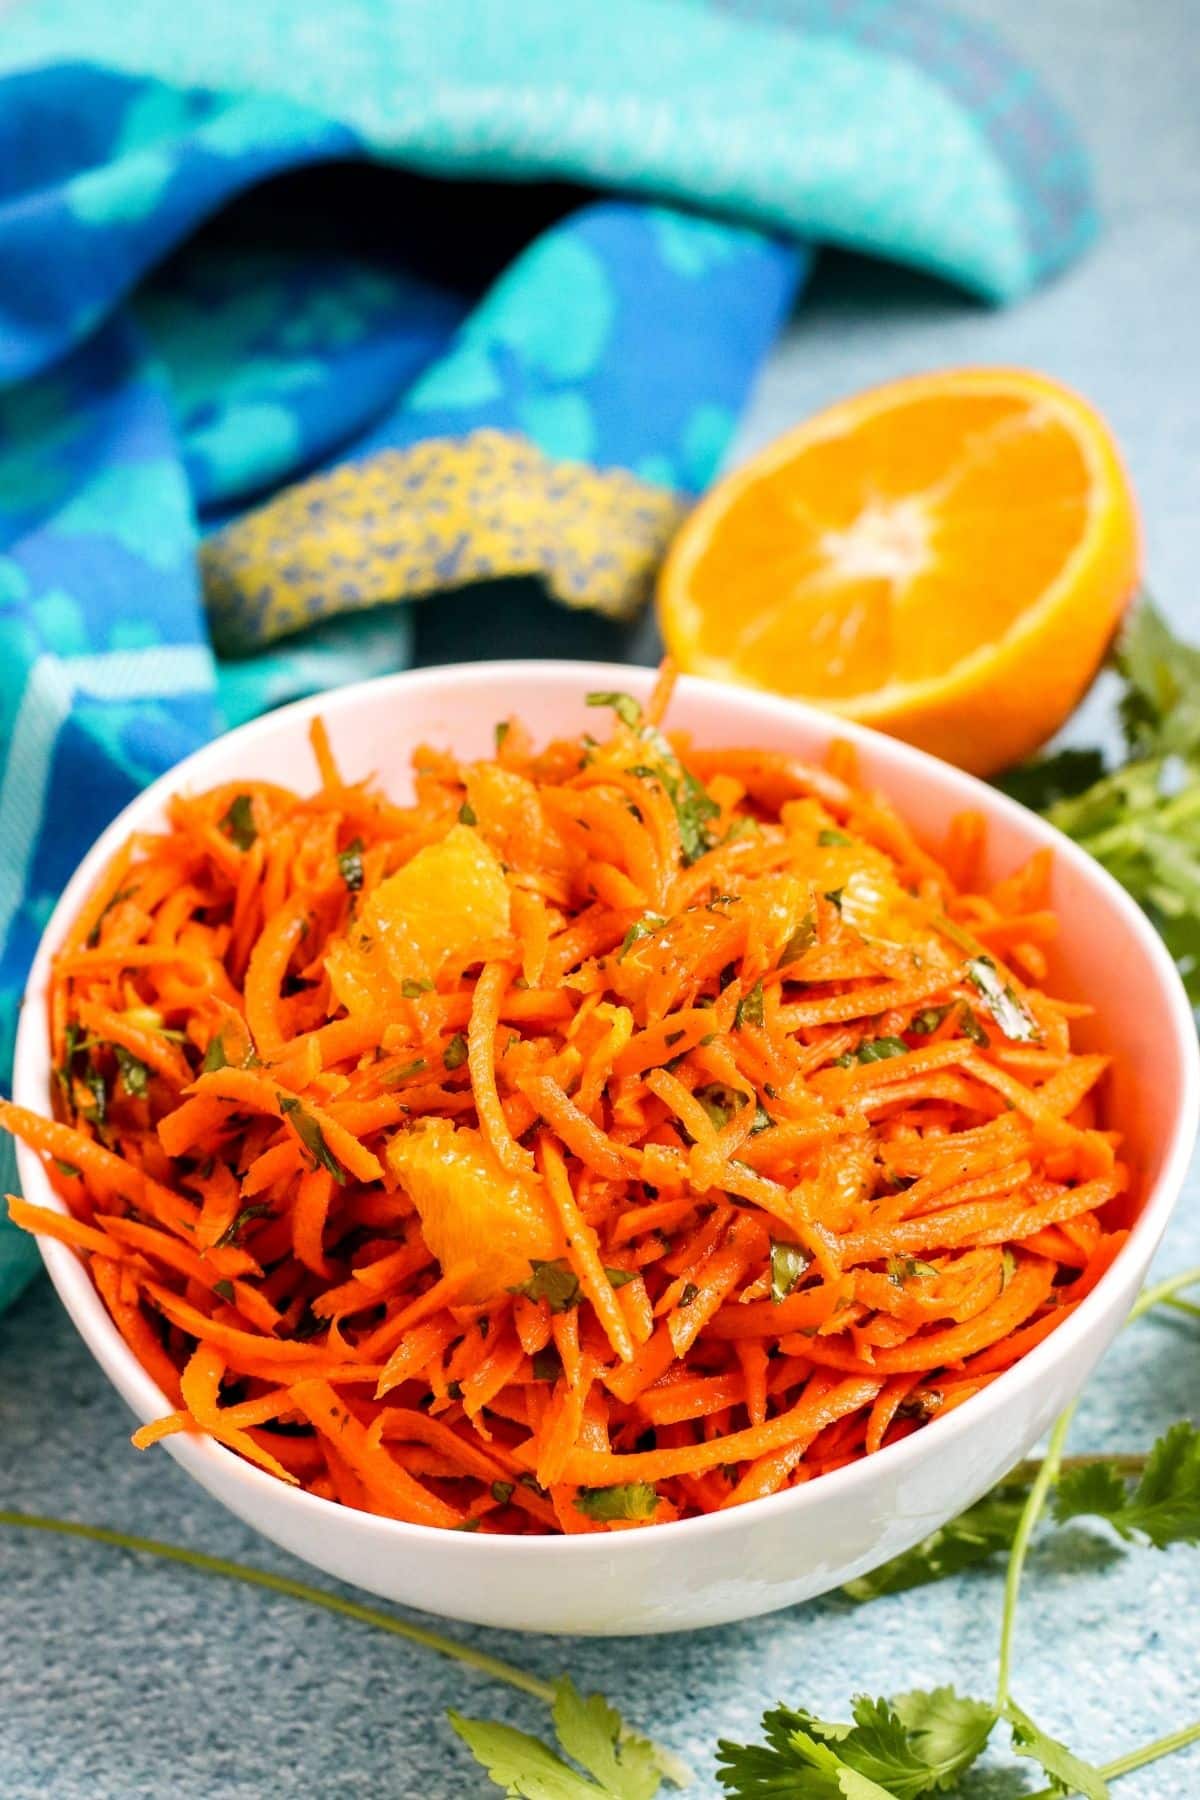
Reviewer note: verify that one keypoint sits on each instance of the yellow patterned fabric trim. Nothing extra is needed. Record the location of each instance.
(437, 516)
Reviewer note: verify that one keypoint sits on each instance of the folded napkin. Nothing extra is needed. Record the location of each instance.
(296, 300)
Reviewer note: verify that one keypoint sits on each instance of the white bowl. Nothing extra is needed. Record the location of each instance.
(752, 1559)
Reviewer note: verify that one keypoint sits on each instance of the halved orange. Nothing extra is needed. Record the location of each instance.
(946, 558)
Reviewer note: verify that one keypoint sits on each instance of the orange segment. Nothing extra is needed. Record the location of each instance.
(473, 1210)
(945, 558)
(444, 907)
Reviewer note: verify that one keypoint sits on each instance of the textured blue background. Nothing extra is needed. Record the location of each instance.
(120, 1680)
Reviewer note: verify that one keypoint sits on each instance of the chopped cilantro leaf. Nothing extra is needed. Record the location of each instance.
(412, 1068)
(93, 936)
(310, 1135)
(135, 1076)
(455, 1053)
(762, 1119)
(694, 809)
(625, 706)
(467, 814)
(224, 1289)
(217, 1057)
(788, 1265)
(750, 1008)
(907, 1268)
(413, 989)
(554, 1282)
(238, 822)
(802, 939)
(233, 1233)
(872, 1050)
(1007, 1009)
(625, 1500)
(350, 864)
(828, 838)
(98, 1110)
(971, 1027)
(640, 928)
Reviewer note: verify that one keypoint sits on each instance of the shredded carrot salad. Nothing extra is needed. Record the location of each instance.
(619, 1132)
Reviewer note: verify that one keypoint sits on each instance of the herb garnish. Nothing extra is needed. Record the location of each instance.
(971, 1028)
(238, 822)
(627, 709)
(233, 1233)
(135, 1076)
(872, 1050)
(643, 927)
(554, 1282)
(1009, 1011)
(621, 1765)
(694, 809)
(413, 1068)
(310, 1135)
(350, 864)
(626, 1500)
(907, 1268)
(455, 1053)
(125, 893)
(750, 1008)
(217, 1057)
(1140, 818)
(802, 939)
(788, 1265)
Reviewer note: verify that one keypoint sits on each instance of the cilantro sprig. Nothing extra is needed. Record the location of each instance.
(1140, 816)
(694, 806)
(619, 1765)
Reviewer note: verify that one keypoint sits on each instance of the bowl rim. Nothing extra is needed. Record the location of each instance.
(201, 1454)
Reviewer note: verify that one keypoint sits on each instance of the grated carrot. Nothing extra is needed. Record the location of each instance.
(676, 1145)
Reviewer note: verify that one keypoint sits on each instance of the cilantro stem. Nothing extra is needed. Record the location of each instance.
(295, 1590)
(1162, 1291)
(1046, 1472)
(1130, 1463)
(1136, 1759)
(674, 1769)
(1046, 1476)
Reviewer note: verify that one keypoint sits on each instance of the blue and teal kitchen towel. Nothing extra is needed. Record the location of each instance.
(295, 298)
